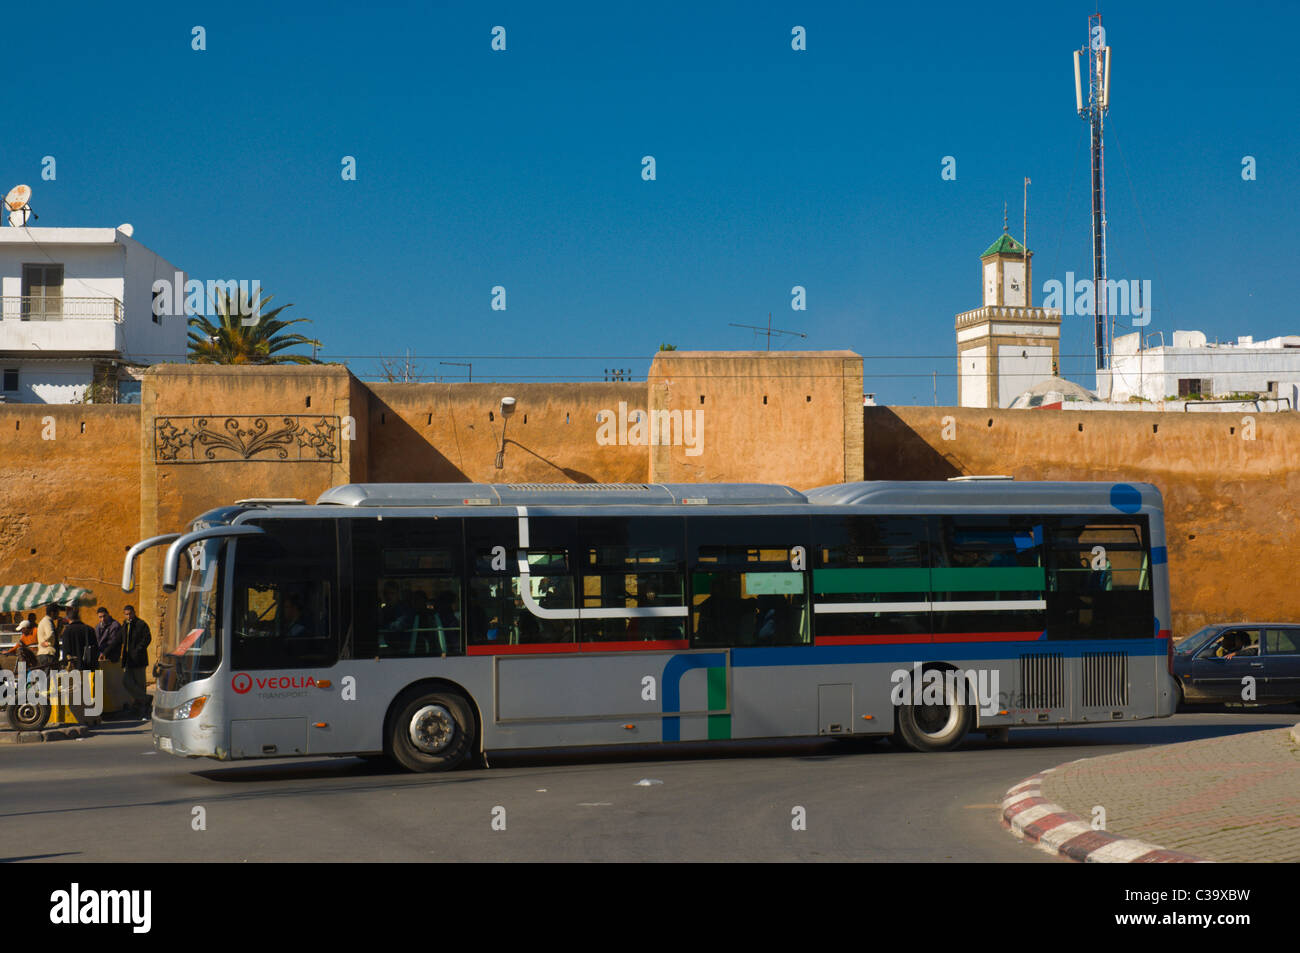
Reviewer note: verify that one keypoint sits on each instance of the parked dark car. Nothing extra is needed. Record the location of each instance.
(1211, 665)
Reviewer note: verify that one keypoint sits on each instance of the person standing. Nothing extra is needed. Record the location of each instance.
(78, 641)
(47, 636)
(135, 659)
(108, 635)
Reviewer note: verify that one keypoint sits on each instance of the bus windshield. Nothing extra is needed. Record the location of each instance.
(191, 646)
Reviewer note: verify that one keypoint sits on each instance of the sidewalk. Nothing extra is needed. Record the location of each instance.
(1227, 799)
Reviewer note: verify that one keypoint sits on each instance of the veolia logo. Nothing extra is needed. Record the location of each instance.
(241, 682)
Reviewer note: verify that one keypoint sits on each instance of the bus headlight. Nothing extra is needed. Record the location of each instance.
(191, 708)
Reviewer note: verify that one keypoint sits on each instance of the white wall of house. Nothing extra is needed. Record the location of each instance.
(116, 274)
(48, 382)
(1246, 366)
(149, 341)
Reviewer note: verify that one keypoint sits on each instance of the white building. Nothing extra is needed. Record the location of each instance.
(1189, 366)
(76, 308)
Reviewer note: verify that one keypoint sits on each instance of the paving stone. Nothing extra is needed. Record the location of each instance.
(1235, 798)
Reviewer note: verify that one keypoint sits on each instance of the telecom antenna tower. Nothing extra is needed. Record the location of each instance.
(1097, 54)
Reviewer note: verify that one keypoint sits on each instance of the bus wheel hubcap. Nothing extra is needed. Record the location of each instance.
(937, 719)
(28, 714)
(432, 728)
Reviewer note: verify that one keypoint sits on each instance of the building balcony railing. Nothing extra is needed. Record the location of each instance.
(46, 308)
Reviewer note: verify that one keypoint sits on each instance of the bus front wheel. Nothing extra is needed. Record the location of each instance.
(933, 727)
(431, 731)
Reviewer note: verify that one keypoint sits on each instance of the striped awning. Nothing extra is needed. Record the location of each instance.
(33, 595)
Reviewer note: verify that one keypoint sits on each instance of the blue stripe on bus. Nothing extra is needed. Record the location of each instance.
(678, 666)
(920, 652)
(1125, 498)
(1159, 555)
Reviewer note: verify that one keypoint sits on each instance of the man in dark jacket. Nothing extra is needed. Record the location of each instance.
(78, 641)
(108, 634)
(135, 659)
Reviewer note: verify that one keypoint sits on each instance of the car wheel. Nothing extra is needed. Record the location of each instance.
(431, 731)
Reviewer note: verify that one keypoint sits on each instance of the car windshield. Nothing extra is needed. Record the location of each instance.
(191, 646)
(1194, 642)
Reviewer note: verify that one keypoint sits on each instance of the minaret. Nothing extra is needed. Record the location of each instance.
(1007, 345)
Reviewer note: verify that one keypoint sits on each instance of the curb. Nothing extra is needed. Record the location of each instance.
(1052, 828)
(65, 733)
(1295, 734)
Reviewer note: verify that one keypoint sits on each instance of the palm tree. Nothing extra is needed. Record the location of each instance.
(229, 340)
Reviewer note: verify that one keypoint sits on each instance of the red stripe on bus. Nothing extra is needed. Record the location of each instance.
(988, 636)
(656, 645)
(653, 645)
(872, 639)
(938, 638)
(540, 649)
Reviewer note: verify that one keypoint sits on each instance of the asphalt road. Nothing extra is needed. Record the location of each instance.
(111, 797)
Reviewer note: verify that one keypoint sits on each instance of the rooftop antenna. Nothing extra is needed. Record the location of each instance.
(16, 203)
(1094, 111)
(464, 364)
(768, 331)
(1024, 241)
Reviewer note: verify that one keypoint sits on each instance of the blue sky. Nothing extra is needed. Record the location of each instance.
(775, 168)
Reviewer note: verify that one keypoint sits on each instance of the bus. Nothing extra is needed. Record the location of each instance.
(435, 623)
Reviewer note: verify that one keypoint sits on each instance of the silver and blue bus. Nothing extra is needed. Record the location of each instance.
(436, 623)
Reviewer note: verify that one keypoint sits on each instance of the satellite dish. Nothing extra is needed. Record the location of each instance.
(127, 229)
(18, 197)
(16, 201)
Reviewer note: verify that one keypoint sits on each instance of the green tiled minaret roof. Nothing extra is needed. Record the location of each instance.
(1005, 245)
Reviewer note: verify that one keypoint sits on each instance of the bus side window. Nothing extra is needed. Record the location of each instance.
(497, 611)
(746, 593)
(880, 562)
(407, 588)
(1100, 575)
(284, 597)
(632, 563)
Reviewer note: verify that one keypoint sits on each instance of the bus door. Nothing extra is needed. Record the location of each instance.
(284, 642)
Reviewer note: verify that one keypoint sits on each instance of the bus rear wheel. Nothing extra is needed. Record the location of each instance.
(933, 727)
(431, 731)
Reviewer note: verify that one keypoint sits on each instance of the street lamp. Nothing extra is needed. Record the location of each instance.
(507, 408)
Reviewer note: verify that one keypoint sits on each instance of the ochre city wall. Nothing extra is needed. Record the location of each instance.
(1232, 505)
(759, 417)
(448, 433)
(69, 497)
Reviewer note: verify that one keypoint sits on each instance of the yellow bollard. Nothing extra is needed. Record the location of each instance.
(84, 695)
(115, 693)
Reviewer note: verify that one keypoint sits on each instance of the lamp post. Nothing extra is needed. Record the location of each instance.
(507, 408)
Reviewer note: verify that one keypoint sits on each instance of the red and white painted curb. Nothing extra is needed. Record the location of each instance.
(1054, 829)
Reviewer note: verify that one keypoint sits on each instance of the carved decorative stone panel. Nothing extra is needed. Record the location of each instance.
(287, 438)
